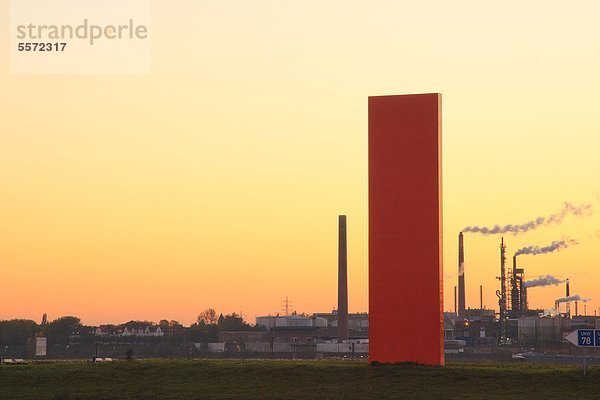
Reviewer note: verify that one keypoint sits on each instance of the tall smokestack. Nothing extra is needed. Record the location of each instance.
(502, 294)
(481, 297)
(461, 278)
(455, 309)
(568, 306)
(342, 311)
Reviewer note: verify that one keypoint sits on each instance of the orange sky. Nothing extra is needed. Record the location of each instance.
(216, 180)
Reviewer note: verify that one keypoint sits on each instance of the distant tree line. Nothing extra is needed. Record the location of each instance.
(17, 331)
(68, 329)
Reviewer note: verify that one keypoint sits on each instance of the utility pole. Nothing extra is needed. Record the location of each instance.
(287, 306)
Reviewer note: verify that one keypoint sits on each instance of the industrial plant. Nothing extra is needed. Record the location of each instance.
(515, 326)
(334, 333)
(512, 329)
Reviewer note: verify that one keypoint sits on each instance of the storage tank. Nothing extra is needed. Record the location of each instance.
(542, 331)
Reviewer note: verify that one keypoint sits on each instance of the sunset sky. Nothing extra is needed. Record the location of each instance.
(216, 179)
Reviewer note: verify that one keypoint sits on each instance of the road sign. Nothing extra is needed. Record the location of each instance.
(585, 337)
(40, 346)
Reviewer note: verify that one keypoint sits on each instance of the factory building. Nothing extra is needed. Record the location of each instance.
(515, 323)
(271, 321)
(326, 324)
(543, 331)
(466, 330)
(449, 326)
(358, 323)
(585, 322)
(517, 297)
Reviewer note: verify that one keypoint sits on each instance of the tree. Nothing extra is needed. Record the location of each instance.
(137, 324)
(163, 324)
(17, 331)
(59, 330)
(175, 324)
(208, 316)
(233, 322)
(202, 332)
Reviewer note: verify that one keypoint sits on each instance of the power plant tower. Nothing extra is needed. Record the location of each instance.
(568, 305)
(461, 278)
(342, 311)
(502, 292)
(514, 290)
(481, 297)
(518, 291)
(455, 309)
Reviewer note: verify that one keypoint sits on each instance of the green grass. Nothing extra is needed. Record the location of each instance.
(273, 379)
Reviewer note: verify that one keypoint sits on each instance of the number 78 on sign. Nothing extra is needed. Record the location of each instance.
(585, 337)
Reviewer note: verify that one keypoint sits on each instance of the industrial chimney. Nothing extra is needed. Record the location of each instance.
(502, 293)
(342, 311)
(568, 293)
(455, 309)
(461, 278)
(481, 297)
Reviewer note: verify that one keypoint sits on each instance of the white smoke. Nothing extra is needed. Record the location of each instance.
(554, 246)
(545, 280)
(549, 312)
(575, 297)
(568, 209)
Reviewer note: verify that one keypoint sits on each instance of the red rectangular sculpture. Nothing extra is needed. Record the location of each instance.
(405, 230)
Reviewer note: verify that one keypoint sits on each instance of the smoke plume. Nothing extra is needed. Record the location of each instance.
(545, 280)
(549, 312)
(575, 297)
(554, 246)
(568, 209)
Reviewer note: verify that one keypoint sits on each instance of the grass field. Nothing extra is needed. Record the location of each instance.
(273, 379)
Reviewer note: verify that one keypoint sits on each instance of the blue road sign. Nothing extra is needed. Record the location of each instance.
(586, 337)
